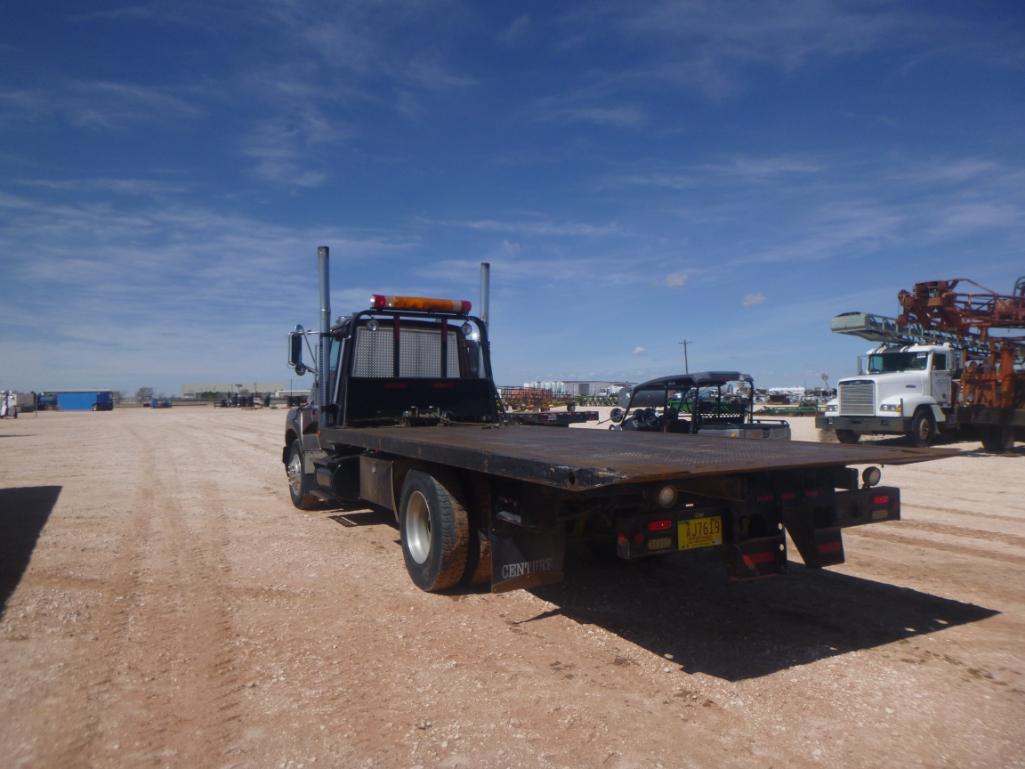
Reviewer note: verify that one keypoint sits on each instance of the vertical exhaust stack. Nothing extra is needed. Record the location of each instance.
(323, 265)
(485, 292)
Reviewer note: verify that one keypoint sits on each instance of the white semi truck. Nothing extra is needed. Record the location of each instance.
(909, 384)
(902, 387)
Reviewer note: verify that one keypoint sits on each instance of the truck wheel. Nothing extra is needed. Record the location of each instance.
(923, 428)
(300, 484)
(847, 436)
(435, 532)
(997, 439)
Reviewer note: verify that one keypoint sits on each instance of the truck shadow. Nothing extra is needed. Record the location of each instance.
(23, 514)
(1017, 451)
(702, 623)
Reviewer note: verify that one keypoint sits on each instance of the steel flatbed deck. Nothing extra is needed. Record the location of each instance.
(588, 459)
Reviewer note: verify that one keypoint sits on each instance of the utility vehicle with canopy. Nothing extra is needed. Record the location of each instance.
(710, 402)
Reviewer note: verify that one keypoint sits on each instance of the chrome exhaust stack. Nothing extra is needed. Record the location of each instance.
(485, 291)
(323, 367)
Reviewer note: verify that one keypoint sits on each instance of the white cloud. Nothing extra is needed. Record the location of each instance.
(514, 33)
(750, 300)
(539, 227)
(638, 350)
(675, 279)
(285, 148)
(617, 116)
(125, 186)
(97, 105)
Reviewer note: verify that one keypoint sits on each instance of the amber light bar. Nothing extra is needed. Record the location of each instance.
(425, 304)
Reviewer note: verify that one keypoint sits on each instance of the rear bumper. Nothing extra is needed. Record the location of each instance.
(893, 425)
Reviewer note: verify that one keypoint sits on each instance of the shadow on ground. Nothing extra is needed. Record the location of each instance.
(23, 513)
(687, 608)
(740, 630)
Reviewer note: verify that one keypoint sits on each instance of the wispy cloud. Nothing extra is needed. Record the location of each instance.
(537, 226)
(516, 31)
(616, 116)
(98, 105)
(750, 300)
(284, 149)
(675, 279)
(711, 46)
(125, 186)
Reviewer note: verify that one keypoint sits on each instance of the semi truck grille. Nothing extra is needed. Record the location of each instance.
(857, 398)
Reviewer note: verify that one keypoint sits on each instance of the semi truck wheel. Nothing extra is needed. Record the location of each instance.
(435, 531)
(923, 428)
(300, 484)
(847, 436)
(997, 439)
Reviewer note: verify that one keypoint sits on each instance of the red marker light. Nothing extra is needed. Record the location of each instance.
(621, 539)
(881, 499)
(829, 547)
(660, 525)
(788, 496)
(764, 498)
(811, 493)
(639, 538)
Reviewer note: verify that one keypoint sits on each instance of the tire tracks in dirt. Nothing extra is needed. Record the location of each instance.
(83, 708)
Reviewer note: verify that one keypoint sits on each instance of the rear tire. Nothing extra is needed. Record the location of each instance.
(847, 436)
(923, 428)
(998, 439)
(435, 531)
(300, 484)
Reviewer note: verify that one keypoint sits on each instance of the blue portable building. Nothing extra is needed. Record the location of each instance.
(85, 400)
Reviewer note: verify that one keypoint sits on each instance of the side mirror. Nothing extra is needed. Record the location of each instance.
(295, 350)
(616, 415)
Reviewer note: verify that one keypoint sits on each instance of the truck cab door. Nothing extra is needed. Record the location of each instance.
(939, 378)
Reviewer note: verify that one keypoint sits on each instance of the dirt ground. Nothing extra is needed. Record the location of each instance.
(163, 604)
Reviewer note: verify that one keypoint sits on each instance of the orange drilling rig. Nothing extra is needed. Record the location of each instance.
(991, 328)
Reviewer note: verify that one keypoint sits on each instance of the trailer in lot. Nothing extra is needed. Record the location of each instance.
(406, 418)
(78, 400)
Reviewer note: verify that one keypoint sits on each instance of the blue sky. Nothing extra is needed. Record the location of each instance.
(637, 174)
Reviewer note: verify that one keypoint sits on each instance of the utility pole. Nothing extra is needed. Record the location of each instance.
(686, 364)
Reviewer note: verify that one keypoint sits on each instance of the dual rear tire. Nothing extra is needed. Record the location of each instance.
(439, 545)
(998, 439)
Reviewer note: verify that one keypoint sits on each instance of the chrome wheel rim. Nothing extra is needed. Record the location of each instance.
(295, 473)
(417, 527)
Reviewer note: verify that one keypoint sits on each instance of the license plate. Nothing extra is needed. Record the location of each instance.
(700, 532)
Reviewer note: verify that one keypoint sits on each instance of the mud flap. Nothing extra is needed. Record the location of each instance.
(522, 557)
(818, 546)
(760, 557)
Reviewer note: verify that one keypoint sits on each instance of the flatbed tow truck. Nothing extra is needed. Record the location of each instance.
(406, 418)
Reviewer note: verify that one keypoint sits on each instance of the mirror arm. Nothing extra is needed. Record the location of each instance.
(309, 348)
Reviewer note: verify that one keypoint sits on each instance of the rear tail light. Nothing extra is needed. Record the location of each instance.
(811, 493)
(764, 498)
(662, 524)
(765, 556)
(881, 499)
(788, 496)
